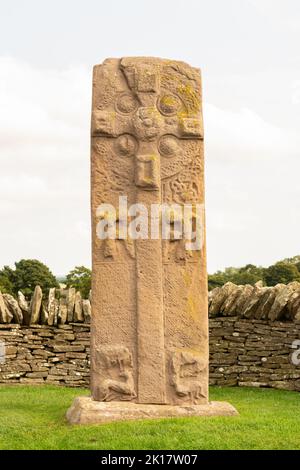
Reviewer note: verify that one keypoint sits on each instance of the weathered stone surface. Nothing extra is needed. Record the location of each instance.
(44, 314)
(296, 311)
(264, 298)
(78, 312)
(52, 307)
(251, 307)
(252, 384)
(85, 410)
(230, 300)
(149, 297)
(259, 284)
(241, 299)
(281, 300)
(35, 306)
(242, 351)
(259, 302)
(24, 306)
(232, 297)
(283, 385)
(87, 311)
(68, 348)
(71, 295)
(13, 306)
(5, 314)
(293, 306)
(219, 296)
(216, 298)
(63, 307)
(268, 302)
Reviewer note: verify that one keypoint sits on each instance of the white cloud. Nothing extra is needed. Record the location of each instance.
(44, 178)
(43, 112)
(296, 92)
(285, 14)
(243, 135)
(253, 194)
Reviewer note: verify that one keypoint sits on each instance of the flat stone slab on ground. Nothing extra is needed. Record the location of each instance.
(85, 410)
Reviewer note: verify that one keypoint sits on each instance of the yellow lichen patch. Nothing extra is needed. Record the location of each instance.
(152, 110)
(187, 278)
(192, 307)
(169, 100)
(148, 180)
(190, 98)
(183, 114)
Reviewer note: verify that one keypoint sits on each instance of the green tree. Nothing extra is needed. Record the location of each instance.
(6, 287)
(80, 278)
(294, 260)
(248, 274)
(281, 273)
(216, 280)
(27, 274)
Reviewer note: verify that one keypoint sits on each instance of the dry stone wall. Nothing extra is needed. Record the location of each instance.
(245, 352)
(254, 353)
(38, 354)
(58, 307)
(254, 337)
(281, 302)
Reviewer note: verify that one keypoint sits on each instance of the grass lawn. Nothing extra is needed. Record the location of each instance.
(34, 418)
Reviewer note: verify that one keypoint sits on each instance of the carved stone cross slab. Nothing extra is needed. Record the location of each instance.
(147, 144)
(149, 337)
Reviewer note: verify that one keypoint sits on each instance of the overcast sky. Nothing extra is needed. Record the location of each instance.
(248, 51)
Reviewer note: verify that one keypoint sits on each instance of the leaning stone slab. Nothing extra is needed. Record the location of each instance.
(44, 314)
(250, 308)
(293, 305)
(35, 306)
(268, 292)
(86, 308)
(230, 301)
(70, 303)
(63, 309)
(281, 300)
(85, 410)
(24, 306)
(5, 315)
(78, 311)
(220, 297)
(268, 301)
(14, 308)
(52, 307)
(296, 312)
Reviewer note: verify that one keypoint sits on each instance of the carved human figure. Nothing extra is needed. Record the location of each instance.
(114, 371)
(186, 370)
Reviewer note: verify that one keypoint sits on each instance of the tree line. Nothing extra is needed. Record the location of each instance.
(27, 273)
(285, 271)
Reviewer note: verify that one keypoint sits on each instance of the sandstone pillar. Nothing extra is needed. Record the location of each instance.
(149, 295)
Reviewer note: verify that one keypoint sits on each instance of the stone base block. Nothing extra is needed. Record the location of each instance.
(85, 410)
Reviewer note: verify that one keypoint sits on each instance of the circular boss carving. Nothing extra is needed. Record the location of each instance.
(147, 123)
(168, 146)
(126, 103)
(126, 145)
(169, 104)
